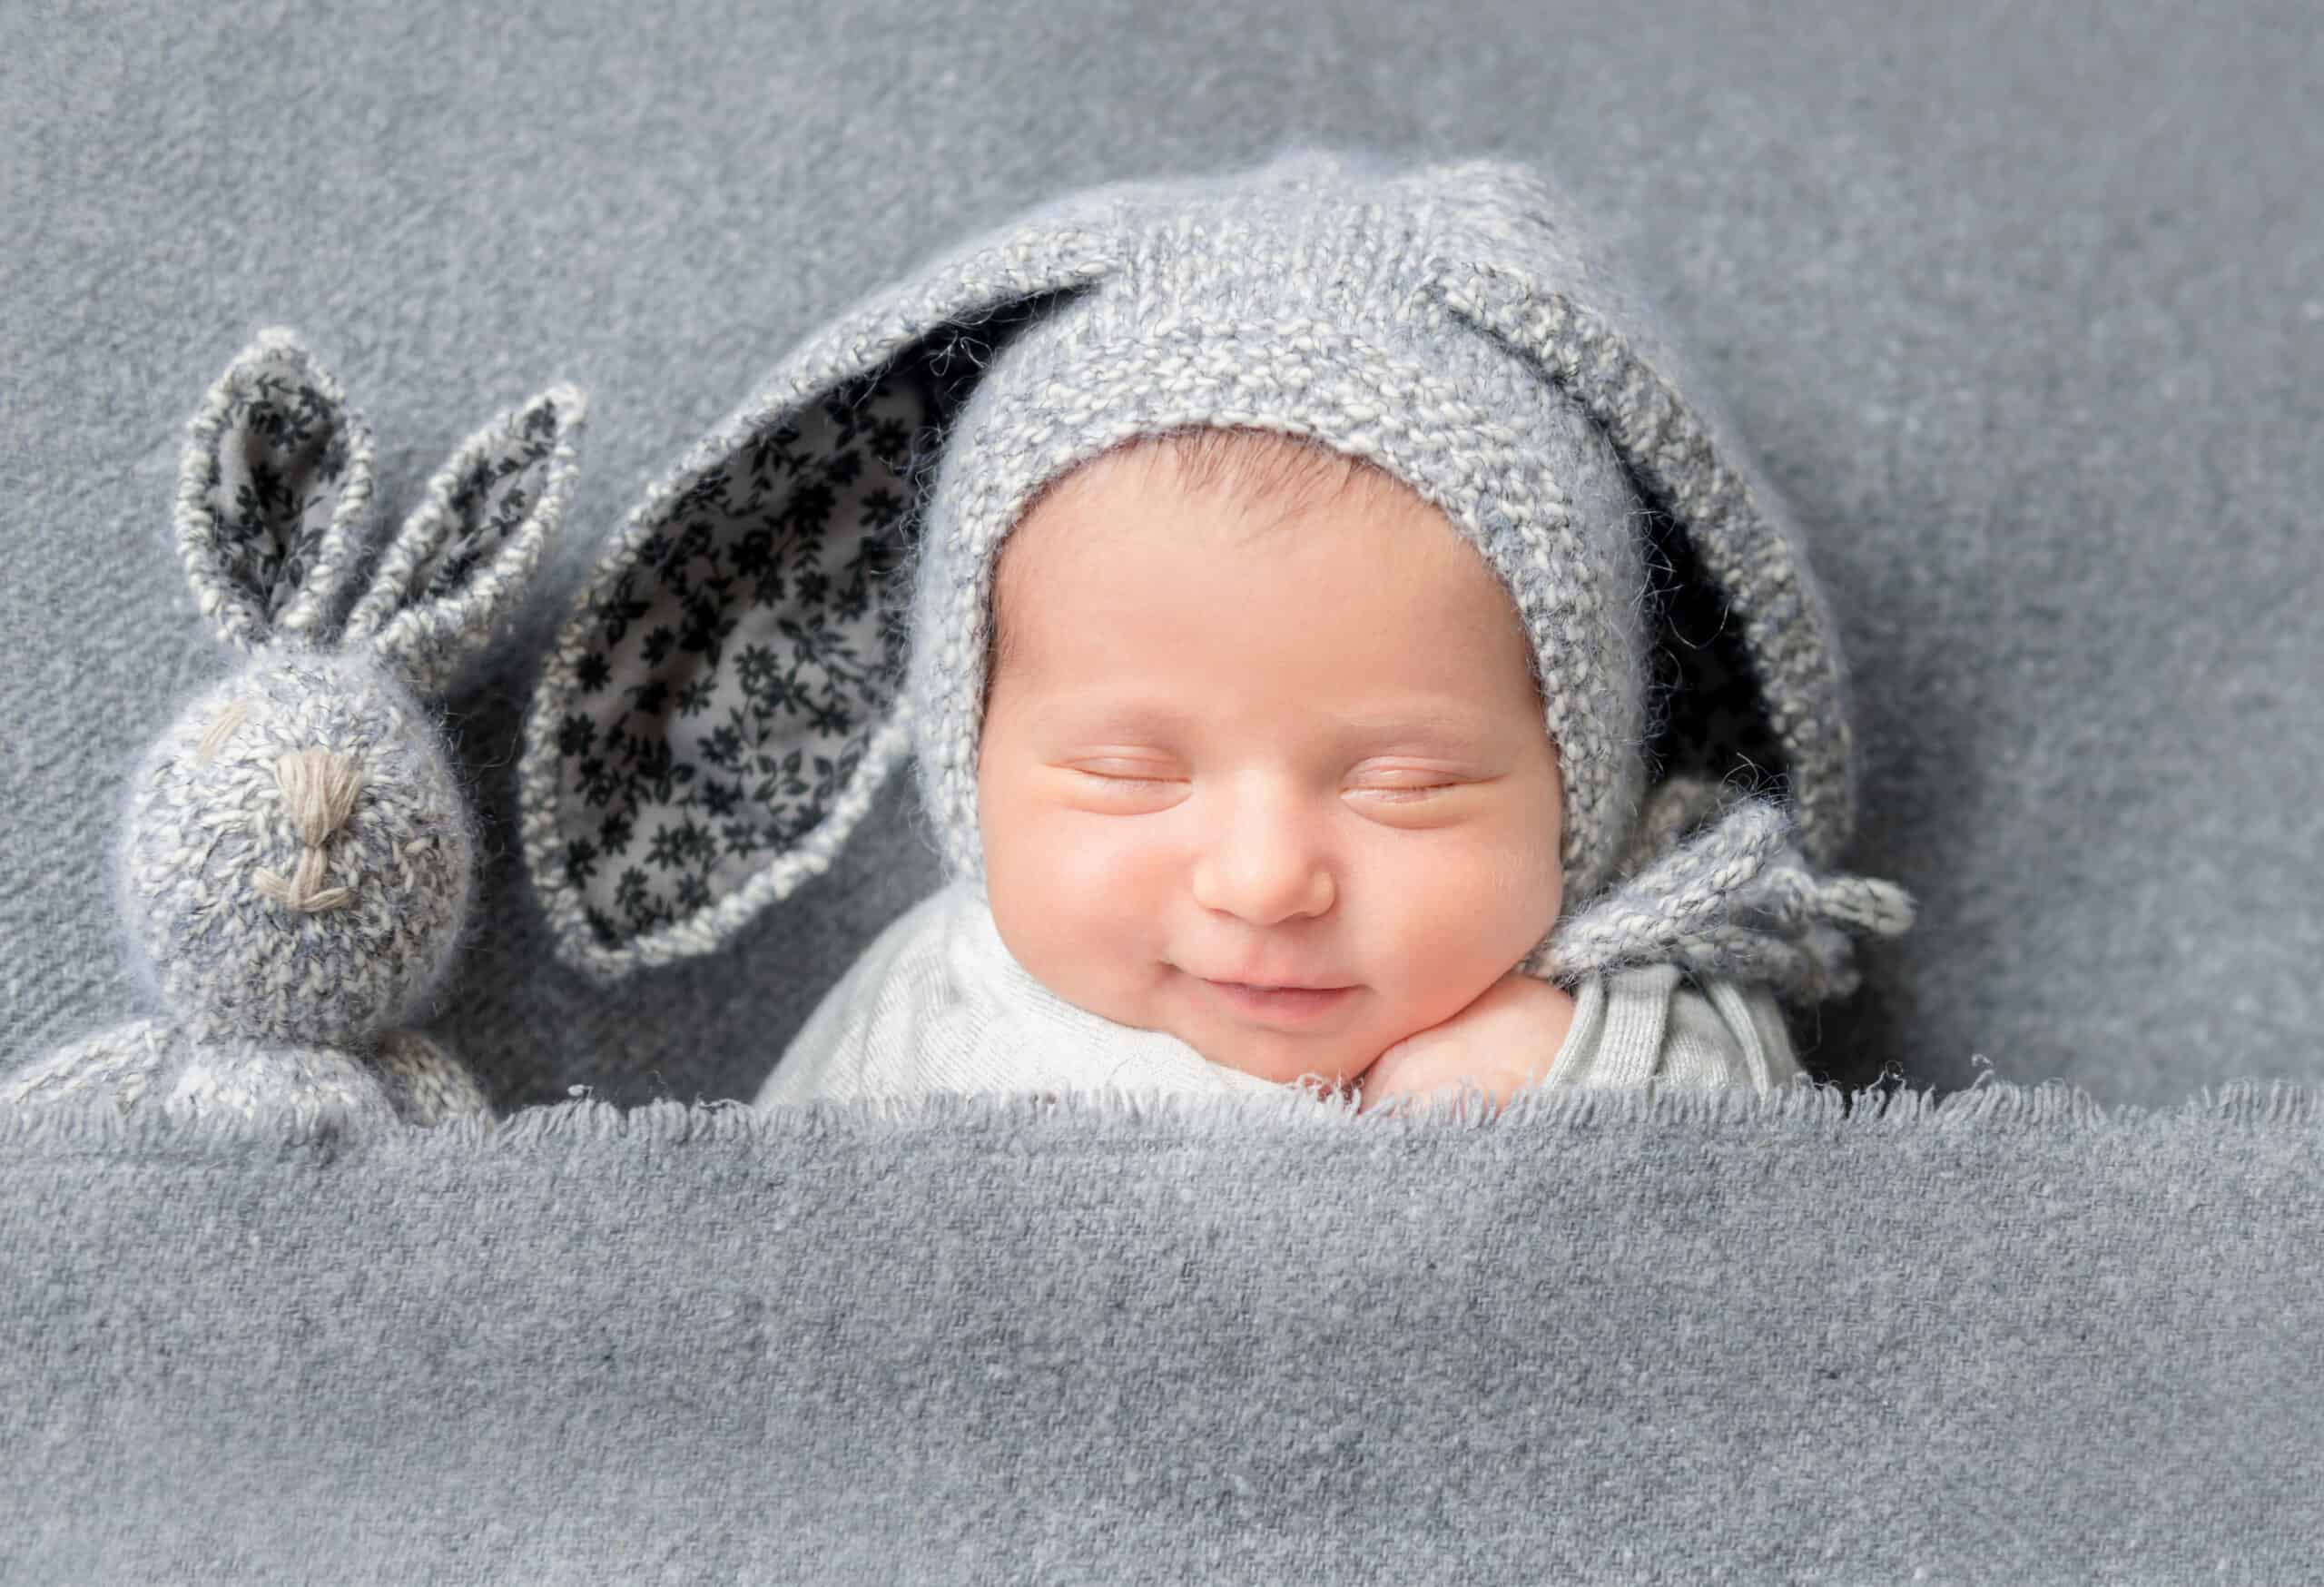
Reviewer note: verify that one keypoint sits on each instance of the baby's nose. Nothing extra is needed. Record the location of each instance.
(1265, 874)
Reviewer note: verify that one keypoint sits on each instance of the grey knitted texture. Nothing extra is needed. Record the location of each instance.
(210, 832)
(298, 857)
(722, 705)
(1302, 319)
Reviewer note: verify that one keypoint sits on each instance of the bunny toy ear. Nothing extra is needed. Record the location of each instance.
(274, 488)
(1516, 265)
(723, 704)
(462, 562)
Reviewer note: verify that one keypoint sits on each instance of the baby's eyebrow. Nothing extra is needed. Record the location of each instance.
(1440, 718)
(1431, 719)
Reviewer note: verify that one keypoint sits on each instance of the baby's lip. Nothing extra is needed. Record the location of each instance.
(1289, 983)
(1286, 1008)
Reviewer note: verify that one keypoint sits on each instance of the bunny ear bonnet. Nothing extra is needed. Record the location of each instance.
(788, 611)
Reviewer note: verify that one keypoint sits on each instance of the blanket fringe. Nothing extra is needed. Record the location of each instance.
(1077, 1118)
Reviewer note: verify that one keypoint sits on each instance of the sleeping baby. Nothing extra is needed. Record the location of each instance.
(1261, 571)
(1262, 773)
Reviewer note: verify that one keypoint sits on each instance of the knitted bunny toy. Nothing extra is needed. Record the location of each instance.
(299, 858)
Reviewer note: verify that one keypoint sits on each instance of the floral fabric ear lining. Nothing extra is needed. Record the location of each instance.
(722, 705)
(273, 495)
(758, 649)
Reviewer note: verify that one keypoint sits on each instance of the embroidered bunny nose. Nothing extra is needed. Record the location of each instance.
(321, 786)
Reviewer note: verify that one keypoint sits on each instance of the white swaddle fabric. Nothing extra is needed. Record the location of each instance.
(937, 1004)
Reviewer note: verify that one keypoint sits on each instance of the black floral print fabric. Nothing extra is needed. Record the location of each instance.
(494, 493)
(273, 480)
(738, 670)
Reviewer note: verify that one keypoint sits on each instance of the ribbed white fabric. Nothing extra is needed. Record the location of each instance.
(937, 1004)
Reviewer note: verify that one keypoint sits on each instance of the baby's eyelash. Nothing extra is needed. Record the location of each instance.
(1165, 781)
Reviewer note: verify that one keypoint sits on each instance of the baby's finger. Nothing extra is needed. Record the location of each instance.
(1411, 1068)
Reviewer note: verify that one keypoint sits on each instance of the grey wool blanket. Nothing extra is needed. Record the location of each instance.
(2021, 309)
(2004, 1337)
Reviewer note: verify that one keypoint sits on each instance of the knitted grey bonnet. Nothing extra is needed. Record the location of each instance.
(811, 591)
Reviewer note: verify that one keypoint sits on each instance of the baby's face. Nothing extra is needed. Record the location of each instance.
(1311, 755)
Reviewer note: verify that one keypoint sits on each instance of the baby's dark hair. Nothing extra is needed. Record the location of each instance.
(1260, 467)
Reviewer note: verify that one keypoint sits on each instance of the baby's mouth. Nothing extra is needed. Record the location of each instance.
(1279, 1005)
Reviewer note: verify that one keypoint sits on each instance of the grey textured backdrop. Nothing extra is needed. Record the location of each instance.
(2023, 305)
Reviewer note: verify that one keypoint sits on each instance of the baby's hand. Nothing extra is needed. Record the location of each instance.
(1505, 1041)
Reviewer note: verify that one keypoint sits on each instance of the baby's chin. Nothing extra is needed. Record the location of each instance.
(1334, 1044)
(1335, 1051)
(1333, 1073)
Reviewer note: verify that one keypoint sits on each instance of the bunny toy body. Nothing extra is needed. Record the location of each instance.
(296, 875)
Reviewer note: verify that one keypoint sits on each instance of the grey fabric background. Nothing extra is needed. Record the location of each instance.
(2024, 305)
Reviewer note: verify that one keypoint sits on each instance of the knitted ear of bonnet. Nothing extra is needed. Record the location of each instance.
(791, 609)
(1727, 869)
(721, 707)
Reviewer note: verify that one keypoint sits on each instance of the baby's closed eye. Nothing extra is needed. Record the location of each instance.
(1393, 787)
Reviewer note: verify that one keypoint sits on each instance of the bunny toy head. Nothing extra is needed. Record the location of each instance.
(298, 865)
